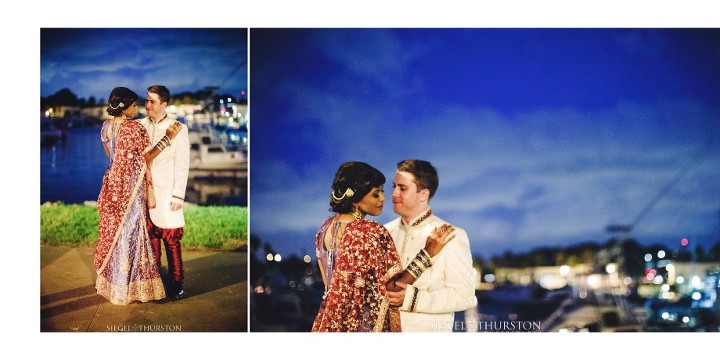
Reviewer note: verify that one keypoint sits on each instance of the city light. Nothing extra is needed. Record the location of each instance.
(661, 254)
(684, 242)
(269, 257)
(680, 279)
(610, 268)
(278, 258)
(593, 281)
(648, 257)
(650, 274)
(307, 259)
(564, 270)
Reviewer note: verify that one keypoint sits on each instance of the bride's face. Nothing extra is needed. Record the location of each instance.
(372, 202)
(131, 111)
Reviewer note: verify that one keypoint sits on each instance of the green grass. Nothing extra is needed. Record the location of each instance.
(206, 227)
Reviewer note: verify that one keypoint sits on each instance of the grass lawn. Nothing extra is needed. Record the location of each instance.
(206, 227)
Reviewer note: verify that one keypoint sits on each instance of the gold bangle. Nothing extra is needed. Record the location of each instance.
(412, 274)
(418, 270)
(414, 270)
(420, 265)
(423, 258)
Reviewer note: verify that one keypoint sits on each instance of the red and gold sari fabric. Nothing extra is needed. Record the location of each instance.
(354, 300)
(126, 271)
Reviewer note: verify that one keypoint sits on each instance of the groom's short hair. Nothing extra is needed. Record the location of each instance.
(162, 92)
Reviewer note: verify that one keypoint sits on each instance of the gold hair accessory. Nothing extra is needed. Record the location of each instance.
(118, 105)
(349, 193)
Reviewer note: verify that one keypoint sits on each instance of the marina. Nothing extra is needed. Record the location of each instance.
(72, 169)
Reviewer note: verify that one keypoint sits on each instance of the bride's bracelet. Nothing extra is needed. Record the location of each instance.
(163, 143)
(419, 264)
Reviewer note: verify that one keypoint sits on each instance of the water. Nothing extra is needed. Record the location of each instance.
(71, 171)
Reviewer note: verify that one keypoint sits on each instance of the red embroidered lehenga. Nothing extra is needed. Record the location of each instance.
(126, 271)
(364, 259)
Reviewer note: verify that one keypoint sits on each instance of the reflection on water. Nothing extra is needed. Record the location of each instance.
(217, 191)
(71, 171)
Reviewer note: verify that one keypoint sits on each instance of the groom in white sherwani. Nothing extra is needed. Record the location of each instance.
(169, 178)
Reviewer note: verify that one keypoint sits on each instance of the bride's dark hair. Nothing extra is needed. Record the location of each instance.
(120, 99)
(353, 180)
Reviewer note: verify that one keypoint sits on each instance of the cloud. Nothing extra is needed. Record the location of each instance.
(91, 62)
(515, 180)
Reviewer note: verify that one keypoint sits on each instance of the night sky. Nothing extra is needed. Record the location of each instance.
(91, 62)
(541, 137)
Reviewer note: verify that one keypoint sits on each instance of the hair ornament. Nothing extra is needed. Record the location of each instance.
(118, 105)
(348, 192)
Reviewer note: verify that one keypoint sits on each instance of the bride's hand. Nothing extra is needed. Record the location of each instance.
(173, 130)
(439, 238)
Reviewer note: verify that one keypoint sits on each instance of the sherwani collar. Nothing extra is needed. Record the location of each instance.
(416, 221)
(159, 121)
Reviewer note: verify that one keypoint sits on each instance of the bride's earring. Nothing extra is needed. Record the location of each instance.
(357, 214)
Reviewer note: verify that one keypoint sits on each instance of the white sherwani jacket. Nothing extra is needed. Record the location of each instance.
(170, 172)
(445, 287)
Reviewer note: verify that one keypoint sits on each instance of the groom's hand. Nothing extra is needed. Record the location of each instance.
(397, 297)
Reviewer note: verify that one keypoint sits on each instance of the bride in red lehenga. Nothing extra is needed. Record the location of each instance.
(126, 271)
(357, 257)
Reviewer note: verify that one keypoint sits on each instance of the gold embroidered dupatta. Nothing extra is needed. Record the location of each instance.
(128, 272)
(355, 301)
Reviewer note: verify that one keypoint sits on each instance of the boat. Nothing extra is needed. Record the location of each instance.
(207, 153)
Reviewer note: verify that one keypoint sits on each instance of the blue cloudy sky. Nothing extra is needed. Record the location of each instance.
(542, 137)
(92, 61)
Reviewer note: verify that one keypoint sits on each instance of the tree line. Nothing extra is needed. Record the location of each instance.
(66, 97)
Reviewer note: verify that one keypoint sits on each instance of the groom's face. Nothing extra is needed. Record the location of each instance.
(154, 106)
(408, 202)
